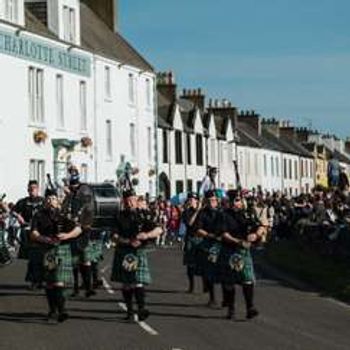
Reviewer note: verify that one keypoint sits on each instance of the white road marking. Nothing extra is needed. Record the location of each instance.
(146, 327)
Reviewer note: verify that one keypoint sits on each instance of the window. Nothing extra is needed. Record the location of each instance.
(179, 187)
(148, 93)
(199, 149)
(108, 89)
(178, 147)
(72, 21)
(165, 146)
(149, 144)
(277, 167)
(199, 185)
(60, 102)
(189, 149)
(311, 169)
(36, 95)
(265, 165)
(306, 173)
(212, 151)
(272, 167)
(131, 89)
(11, 10)
(189, 185)
(256, 165)
(290, 169)
(66, 23)
(84, 173)
(296, 170)
(133, 140)
(109, 141)
(301, 168)
(37, 172)
(83, 106)
(248, 163)
(285, 170)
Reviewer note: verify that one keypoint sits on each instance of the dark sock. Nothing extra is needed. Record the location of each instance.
(127, 295)
(94, 271)
(211, 291)
(230, 300)
(190, 282)
(76, 279)
(140, 299)
(86, 274)
(248, 292)
(51, 300)
(61, 300)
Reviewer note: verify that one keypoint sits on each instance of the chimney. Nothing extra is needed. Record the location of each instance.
(252, 119)
(303, 135)
(107, 10)
(225, 109)
(272, 126)
(166, 85)
(288, 132)
(197, 97)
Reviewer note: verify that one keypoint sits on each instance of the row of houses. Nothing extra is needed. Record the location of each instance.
(270, 155)
(74, 91)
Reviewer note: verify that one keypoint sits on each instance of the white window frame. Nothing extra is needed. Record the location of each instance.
(132, 140)
(83, 106)
(60, 101)
(36, 95)
(148, 93)
(108, 82)
(131, 88)
(37, 172)
(109, 140)
(149, 144)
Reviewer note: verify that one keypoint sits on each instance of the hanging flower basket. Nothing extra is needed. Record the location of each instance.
(135, 181)
(151, 172)
(86, 141)
(40, 136)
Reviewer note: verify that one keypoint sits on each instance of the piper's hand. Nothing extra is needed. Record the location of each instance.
(142, 236)
(246, 244)
(62, 236)
(253, 237)
(135, 243)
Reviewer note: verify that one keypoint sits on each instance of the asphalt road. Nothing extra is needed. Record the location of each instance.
(290, 318)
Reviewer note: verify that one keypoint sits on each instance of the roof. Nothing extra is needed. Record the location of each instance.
(96, 36)
(341, 157)
(165, 112)
(188, 114)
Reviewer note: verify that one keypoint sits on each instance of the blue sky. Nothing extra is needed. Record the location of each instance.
(289, 59)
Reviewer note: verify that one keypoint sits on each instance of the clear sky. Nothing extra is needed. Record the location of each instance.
(288, 59)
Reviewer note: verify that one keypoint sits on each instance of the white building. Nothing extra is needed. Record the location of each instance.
(74, 91)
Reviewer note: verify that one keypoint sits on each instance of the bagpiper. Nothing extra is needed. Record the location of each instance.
(191, 240)
(130, 265)
(209, 228)
(77, 207)
(51, 233)
(237, 264)
(24, 211)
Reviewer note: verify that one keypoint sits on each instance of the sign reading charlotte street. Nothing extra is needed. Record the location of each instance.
(39, 51)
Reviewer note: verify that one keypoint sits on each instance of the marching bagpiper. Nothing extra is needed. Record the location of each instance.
(77, 207)
(52, 233)
(24, 211)
(130, 265)
(209, 228)
(237, 264)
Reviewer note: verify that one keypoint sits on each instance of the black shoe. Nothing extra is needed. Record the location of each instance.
(89, 293)
(230, 315)
(63, 317)
(97, 284)
(52, 318)
(129, 317)
(75, 293)
(252, 313)
(143, 314)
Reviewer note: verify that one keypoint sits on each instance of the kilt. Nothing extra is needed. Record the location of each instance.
(23, 252)
(81, 255)
(58, 265)
(35, 268)
(130, 266)
(96, 250)
(190, 251)
(237, 266)
(209, 260)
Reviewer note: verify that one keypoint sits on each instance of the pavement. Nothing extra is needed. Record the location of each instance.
(291, 317)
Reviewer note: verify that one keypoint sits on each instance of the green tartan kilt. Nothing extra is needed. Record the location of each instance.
(35, 267)
(190, 251)
(81, 255)
(209, 260)
(58, 265)
(130, 266)
(237, 266)
(96, 250)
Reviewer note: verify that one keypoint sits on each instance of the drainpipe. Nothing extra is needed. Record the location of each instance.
(95, 118)
(155, 107)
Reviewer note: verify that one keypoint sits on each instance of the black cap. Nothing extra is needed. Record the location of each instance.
(210, 194)
(232, 195)
(192, 195)
(128, 193)
(33, 183)
(50, 192)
